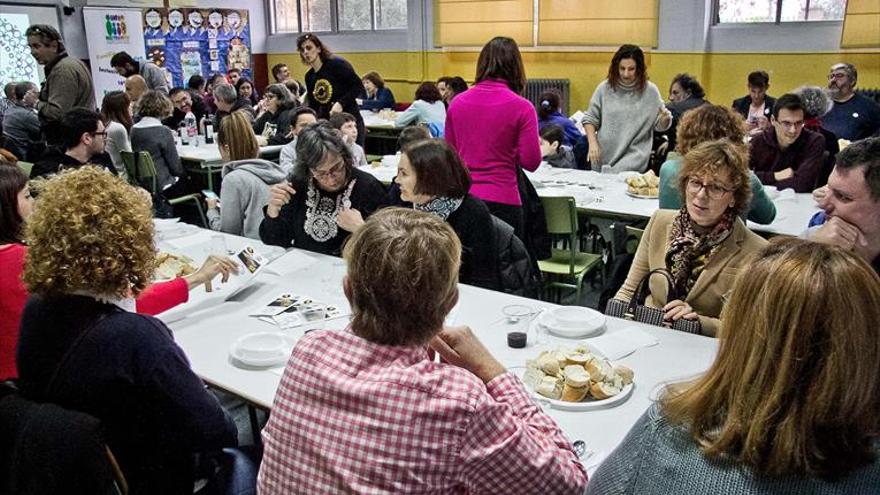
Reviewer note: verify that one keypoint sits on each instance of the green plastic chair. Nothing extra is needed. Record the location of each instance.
(633, 238)
(25, 167)
(141, 172)
(566, 267)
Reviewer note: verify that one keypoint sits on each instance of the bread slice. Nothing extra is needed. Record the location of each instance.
(599, 369)
(574, 394)
(548, 363)
(533, 377)
(625, 374)
(600, 390)
(576, 376)
(578, 358)
(550, 387)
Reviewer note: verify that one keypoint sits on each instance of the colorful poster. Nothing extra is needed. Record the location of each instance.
(189, 41)
(109, 32)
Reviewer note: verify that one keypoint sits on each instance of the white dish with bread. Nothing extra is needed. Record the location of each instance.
(645, 186)
(577, 379)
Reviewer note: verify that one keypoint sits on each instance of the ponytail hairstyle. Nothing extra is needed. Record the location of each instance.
(549, 103)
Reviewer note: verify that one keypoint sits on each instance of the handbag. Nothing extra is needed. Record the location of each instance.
(636, 310)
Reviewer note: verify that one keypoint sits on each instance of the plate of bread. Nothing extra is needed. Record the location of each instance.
(173, 266)
(646, 186)
(577, 379)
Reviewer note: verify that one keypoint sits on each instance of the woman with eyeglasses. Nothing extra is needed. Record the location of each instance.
(332, 85)
(273, 121)
(325, 198)
(704, 244)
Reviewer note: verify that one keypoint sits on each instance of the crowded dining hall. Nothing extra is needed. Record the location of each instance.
(408, 246)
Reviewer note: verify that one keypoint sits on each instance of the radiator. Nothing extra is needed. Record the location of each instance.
(534, 88)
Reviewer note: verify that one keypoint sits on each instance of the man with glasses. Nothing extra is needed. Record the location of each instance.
(82, 143)
(786, 155)
(68, 83)
(20, 123)
(853, 116)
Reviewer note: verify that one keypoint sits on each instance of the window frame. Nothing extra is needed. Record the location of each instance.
(716, 20)
(271, 7)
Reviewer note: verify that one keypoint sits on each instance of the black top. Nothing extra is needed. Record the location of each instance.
(472, 221)
(281, 121)
(741, 105)
(335, 81)
(678, 109)
(55, 160)
(128, 372)
(240, 104)
(288, 228)
(198, 109)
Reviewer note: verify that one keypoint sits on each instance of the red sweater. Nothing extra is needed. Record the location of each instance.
(13, 294)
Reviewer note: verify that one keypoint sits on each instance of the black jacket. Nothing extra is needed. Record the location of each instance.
(55, 160)
(518, 273)
(741, 105)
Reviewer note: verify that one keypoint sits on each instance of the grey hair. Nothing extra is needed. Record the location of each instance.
(313, 145)
(850, 70)
(816, 100)
(225, 93)
(47, 34)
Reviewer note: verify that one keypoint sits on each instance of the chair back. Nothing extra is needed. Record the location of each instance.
(25, 167)
(140, 169)
(633, 238)
(562, 220)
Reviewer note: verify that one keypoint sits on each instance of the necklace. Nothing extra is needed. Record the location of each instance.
(321, 212)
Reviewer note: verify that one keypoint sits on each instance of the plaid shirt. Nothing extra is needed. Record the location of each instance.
(351, 416)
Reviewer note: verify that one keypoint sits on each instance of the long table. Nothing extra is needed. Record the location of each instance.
(205, 158)
(206, 327)
(604, 195)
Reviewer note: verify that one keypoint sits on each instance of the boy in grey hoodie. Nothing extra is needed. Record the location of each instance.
(552, 150)
(244, 193)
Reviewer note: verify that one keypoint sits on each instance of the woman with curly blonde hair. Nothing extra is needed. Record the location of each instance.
(90, 250)
(708, 123)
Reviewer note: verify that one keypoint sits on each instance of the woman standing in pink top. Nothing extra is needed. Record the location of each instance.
(495, 130)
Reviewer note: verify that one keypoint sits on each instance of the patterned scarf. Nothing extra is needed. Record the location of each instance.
(440, 206)
(689, 251)
(321, 211)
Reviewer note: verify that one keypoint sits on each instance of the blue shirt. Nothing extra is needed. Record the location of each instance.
(854, 119)
(572, 133)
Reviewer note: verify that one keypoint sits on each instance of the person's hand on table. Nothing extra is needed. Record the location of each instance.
(820, 193)
(359, 101)
(279, 195)
(211, 202)
(838, 232)
(786, 173)
(336, 108)
(678, 309)
(212, 266)
(460, 347)
(349, 219)
(595, 154)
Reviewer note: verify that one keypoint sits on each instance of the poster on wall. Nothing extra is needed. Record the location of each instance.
(16, 62)
(190, 41)
(109, 32)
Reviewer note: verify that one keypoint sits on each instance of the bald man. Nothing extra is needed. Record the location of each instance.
(135, 86)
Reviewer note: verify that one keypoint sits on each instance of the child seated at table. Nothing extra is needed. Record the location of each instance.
(347, 125)
(552, 149)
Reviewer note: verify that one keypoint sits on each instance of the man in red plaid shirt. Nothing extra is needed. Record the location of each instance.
(367, 410)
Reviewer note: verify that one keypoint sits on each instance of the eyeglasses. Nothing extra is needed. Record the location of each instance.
(838, 75)
(788, 126)
(102, 133)
(714, 191)
(336, 171)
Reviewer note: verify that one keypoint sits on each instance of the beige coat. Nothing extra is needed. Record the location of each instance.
(713, 284)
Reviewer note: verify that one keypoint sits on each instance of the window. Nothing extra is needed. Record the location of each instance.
(295, 16)
(738, 11)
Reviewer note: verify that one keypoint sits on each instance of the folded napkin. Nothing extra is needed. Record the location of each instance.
(621, 343)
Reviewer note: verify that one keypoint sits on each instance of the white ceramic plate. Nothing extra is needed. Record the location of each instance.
(585, 405)
(274, 357)
(641, 196)
(590, 328)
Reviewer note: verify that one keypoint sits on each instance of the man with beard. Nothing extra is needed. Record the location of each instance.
(183, 103)
(126, 66)
(853, 116)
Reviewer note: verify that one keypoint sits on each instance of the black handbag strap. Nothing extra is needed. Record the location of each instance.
(643, 288)
(66, 357)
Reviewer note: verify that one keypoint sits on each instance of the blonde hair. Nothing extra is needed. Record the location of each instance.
(402, 276)
(89, 231)
(713, 158)
(794, 388)
(236, 133)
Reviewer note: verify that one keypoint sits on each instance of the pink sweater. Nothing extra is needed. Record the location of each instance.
(494, 130)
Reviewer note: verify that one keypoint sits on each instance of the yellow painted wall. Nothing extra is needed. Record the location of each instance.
(723, 75)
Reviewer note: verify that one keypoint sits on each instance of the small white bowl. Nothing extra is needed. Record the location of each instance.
(261, 345)
(573, 316)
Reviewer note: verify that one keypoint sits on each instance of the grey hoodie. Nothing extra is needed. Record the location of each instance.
(243, 194)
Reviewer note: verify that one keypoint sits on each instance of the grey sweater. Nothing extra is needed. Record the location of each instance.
(22, 127)
(658, 457)
(244, 193)
(150, 135)
(625, 120)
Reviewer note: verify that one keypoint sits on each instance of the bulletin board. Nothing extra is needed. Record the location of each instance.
(189, 41)
(16, 62)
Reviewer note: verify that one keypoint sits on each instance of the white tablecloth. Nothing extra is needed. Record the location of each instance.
(209, 154)
(207, 326)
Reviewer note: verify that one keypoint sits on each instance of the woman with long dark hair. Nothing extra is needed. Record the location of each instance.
(332, 85)
(273, 122)
(427, 108)
(116, 114)
(495, 130)
(624, 111)
(246, 89)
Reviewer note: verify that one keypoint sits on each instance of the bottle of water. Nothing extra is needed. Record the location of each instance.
(192, 130)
